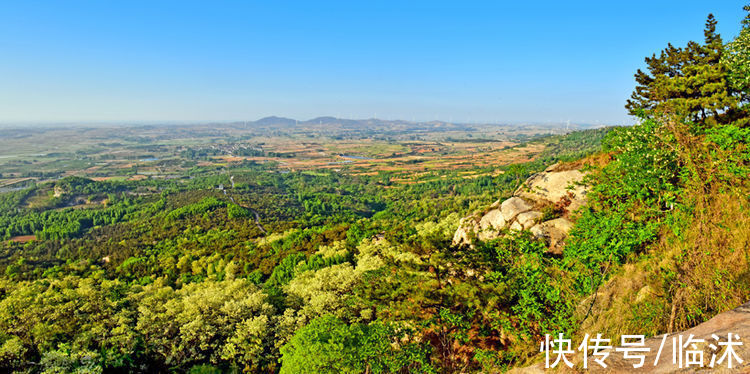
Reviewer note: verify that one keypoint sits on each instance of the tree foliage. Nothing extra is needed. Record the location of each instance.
(329, 345)
(688, 83)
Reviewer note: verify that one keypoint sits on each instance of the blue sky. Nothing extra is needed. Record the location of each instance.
(499, 61)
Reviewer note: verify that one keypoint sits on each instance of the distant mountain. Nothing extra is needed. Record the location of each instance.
(325, 120)
(349, 123)
(274, 120)
(402, 125)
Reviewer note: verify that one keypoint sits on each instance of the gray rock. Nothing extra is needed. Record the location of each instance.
(538, 230)
(528, 219)
(550, 186)
(493, 220)
(485, 235)
(466, 226)
(554, 231)
(555, 186)
(735, 321)
(561, 224)
(513, 207)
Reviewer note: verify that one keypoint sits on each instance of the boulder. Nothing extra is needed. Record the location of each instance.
(485, 235)
(467, 226)
(528, 219)
(554, 186)
(493, 220)
(554, 231)
(513, 207)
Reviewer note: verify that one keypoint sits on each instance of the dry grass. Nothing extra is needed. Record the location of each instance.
(684, 279)
(713, 264)
(597, 160)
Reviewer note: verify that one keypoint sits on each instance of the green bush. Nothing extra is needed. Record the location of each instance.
(329, 345)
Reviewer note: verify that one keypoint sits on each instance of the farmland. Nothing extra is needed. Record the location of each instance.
(36, 155)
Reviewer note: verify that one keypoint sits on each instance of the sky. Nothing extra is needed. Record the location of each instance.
(463, 61)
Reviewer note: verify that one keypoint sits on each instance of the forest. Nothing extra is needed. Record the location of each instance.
(248, 268)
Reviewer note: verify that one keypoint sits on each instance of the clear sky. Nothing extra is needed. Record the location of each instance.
(496, 61)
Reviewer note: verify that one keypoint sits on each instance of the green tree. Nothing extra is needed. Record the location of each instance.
(737, 60)
(218, 322)
(329, 345)
(688, 83)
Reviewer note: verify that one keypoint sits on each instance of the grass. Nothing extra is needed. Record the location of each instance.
(698, 268)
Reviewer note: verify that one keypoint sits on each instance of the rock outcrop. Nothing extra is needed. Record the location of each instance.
(555, 190)
(555, 186)
(554, 231)
(735, 322)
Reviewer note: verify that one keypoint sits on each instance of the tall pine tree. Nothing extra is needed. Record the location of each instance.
(689, 83)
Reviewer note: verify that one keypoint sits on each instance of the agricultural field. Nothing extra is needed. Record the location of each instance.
(172, 151)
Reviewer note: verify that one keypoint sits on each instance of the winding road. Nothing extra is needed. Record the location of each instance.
(255, 212)
(257, 220)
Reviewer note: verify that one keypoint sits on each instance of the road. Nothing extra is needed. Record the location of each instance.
(255, 212)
